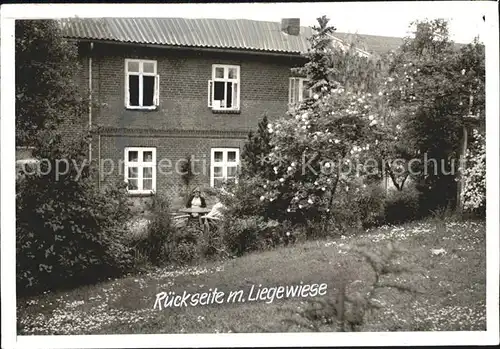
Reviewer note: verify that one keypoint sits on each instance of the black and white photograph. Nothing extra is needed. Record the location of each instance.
(249, 174)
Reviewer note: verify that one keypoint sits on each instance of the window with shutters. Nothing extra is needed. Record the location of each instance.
(224, 88)
(224, 166)
(142, 84)
(140, 170)
(298, 91)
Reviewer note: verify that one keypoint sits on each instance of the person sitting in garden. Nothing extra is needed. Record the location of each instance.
(196, 201)
(215, 214)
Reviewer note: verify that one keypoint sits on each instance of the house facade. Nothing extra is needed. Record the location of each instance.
(164, 89)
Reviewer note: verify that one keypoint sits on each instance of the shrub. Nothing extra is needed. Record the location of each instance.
(402, 206)
(250, 233)
(185, 245)
(371, 204)
(167, 243)
(69, 233)
(358, 206)
(159, 232)
(244, 200)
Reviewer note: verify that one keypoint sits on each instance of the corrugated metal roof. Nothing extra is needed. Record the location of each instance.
(212, 33)
(206, 32)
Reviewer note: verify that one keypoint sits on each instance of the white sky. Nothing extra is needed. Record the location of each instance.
(378, 18)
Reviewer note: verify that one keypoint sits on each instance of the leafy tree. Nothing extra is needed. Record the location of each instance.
(430, 90)
(45, 79)
(256, 151)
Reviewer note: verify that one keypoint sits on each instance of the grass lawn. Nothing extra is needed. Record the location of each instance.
(452, 279)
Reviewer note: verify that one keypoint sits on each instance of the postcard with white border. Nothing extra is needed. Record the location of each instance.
(249, 174)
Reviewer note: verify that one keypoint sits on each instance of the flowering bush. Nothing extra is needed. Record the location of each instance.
(321, 148)
(322, 143)
(474, 191)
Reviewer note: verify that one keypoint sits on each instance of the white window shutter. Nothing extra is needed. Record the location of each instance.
(291, 91)
(210, 93)
(235, 95)
(156, 99)
(127, 92)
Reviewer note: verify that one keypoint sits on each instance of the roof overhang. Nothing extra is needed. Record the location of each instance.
(191, 48)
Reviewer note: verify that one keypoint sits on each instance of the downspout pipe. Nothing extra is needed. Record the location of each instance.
(99, 164)
(90, 99)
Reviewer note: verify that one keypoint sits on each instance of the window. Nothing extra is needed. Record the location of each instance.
(142, 84)
(140, 170)
(224, 165)
(298, 91)
(223, 89)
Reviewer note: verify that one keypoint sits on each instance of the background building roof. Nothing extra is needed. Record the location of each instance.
(240, 34)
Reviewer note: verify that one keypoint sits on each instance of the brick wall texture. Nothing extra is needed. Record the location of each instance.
(183, 124)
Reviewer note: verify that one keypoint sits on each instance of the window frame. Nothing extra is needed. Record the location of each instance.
(140, 164)
(224, 163)
(301, 82)
(141, 73)
(225, 79)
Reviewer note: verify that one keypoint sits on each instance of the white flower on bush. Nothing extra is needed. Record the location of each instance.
(315, 96)
(310, 201)
(262, 198)
(370, 117)
(282, 179)
(474, 191)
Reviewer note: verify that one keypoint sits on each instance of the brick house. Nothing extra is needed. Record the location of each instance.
(163, 89)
